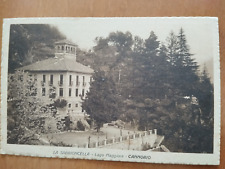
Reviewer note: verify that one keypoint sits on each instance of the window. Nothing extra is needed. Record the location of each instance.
(83, 80)
(69, 105)
(51, 79)
(43, 92)
(76, 92)
(61, 80)
(62, 47)
(70, 80)
(82, 92)
(76, 105)
(60, 91)
(44, 78)
(77, 80)
(70, 91)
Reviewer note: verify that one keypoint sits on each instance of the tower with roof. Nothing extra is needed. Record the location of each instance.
(62, 78)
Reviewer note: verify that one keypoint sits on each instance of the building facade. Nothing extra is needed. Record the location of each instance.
(62, 78)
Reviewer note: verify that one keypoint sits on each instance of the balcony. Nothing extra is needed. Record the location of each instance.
(50, 83)
(71, 83)
(60, 83)
(78, 84)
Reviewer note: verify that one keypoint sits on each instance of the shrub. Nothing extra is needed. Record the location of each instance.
(80, 126)
(60, 103)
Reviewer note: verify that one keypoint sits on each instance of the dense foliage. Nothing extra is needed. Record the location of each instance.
(161, 87)
(29, 43)
(26, 112)
(101, 102)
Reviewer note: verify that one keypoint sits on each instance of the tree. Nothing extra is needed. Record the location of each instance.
(29, 43)
(151, 45)
(157, 83)
(60, 103)
(123, 43)
(187, 65)
(184, 118)
(26, 112)
(138, 45)
(80, 126)
(172, 71)
(67, 123)
(146, 67)
(113, 55)
(101, 102)
(172, 46)
(205, 95)
(183, 66)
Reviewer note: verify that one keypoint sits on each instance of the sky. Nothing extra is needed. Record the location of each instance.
(199, 32)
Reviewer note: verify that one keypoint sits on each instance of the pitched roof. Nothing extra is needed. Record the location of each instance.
(58, 64)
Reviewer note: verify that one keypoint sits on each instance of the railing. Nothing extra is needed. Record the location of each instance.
(120, 139)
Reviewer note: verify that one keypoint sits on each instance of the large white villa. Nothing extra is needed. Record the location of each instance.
(62, 77)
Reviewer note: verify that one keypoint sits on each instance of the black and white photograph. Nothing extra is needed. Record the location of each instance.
(121, 89)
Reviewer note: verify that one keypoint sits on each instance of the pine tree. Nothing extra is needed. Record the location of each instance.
(172, 46)
(145, 69)
(184, 68)
(151, 45)
(187, 66)
(138, 45)
(101, 102)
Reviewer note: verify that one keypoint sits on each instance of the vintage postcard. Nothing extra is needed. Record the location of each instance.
(118, 89)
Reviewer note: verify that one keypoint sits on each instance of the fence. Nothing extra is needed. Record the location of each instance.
(120, 139)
